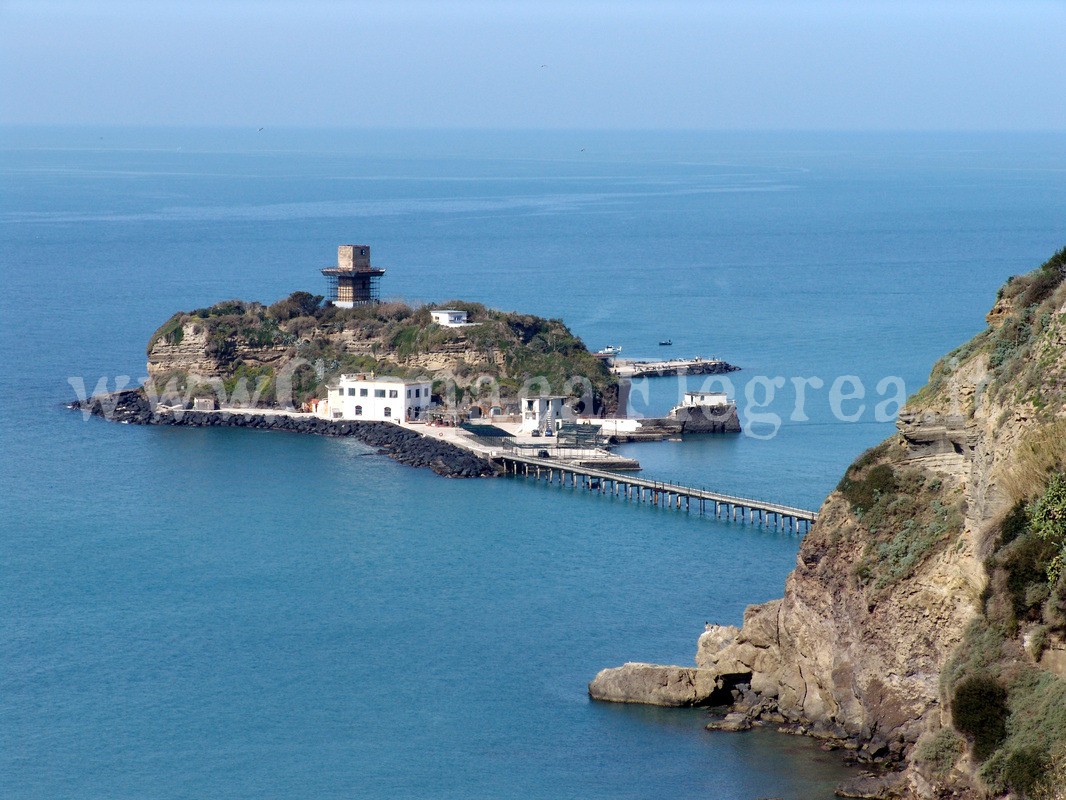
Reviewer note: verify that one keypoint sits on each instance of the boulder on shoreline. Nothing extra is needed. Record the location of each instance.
(654, 684)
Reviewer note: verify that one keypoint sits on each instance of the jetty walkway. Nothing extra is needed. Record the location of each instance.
(628, 368)
(670, 495)
(600, 471)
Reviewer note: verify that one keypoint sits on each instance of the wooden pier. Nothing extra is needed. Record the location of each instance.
(671, 495)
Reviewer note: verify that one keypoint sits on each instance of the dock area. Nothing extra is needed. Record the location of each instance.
(660, 493)
(631, 368)
(483, 441)
(599, 470)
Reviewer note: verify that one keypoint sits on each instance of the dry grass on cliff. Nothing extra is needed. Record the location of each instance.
(1054, 787)
(1040, 454)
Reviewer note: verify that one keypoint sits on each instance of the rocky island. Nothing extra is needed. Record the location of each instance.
(246, 364)
(923, 629)
(297, 345)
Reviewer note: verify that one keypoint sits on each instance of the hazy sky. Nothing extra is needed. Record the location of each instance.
(833, 64)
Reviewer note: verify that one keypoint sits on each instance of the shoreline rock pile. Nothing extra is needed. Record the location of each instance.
(405, 446)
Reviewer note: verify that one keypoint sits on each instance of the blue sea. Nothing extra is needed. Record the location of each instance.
(237, 614)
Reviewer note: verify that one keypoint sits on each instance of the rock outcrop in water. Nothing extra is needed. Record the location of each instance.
(924, 625)
(655, 685)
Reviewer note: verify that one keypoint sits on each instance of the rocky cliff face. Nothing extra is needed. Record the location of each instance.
(191, 352)
(895, 572)
(892, 606)
(265, 346)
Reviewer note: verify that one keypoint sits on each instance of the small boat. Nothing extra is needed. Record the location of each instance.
(609, 350)
(666, 342)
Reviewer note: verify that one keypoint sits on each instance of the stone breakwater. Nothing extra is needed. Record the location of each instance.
(403, 445)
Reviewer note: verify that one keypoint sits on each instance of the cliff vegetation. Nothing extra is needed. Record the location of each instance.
(924, 627)
(245, 349)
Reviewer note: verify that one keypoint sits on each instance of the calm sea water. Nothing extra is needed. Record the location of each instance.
(227, 613)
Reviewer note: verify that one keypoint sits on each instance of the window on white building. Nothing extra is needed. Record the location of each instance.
(362, 392)
(417, 393)
(408, 393)
(394, 393)
(388, 411)
(379, 393)
(351, 392)
(358, 411)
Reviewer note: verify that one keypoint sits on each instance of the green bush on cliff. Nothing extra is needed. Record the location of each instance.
(248, 385)
(897, 557)
(908, 516)
(1049, 523)
(1034, 299)
(1015, 524)
(864, 489)
(297, 304)
(1018, 770)
(1013, 712)
(941, 751)
(173, 331)
(1037, 286)
(1035, 729)
(1025, 569)
(979, 710)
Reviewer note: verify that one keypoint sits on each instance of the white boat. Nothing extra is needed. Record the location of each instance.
(609, 350)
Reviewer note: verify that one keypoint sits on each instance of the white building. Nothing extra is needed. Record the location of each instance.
(449, 317)
(540, 413)
(705, 399)
(364, 397)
